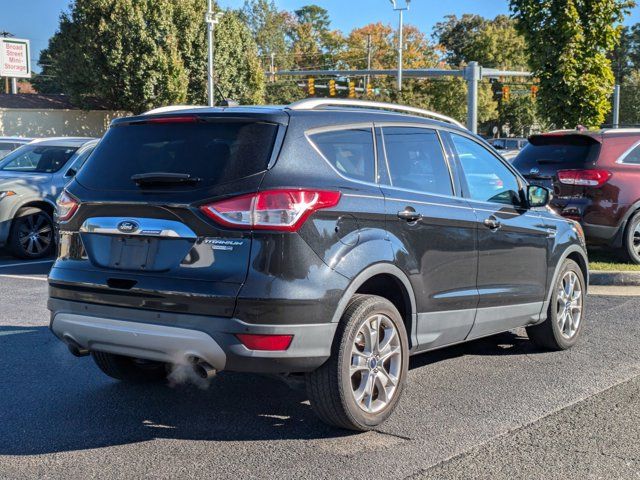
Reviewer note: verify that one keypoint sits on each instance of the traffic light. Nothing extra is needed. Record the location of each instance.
(352, 89)
(369, 89)
(506, 93)
(534, 91)
(311, 86)
(332, 88)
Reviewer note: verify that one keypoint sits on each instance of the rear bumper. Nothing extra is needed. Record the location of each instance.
(603, 225)
(176, 338)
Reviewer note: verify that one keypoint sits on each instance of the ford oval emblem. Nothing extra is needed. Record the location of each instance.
(128, 226)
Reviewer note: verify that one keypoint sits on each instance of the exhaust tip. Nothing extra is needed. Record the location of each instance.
(77, 351)
(202, 369)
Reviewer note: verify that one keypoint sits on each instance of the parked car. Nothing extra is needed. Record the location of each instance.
(31, 178)
(512, 144)
(9, 144)
(321, 238)
(595, 176)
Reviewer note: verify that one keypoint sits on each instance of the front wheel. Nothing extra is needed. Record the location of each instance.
(359, 387)
(561, 329)
(31, 235)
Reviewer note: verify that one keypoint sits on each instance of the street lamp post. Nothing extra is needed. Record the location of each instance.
(211, 19)
(400, 11)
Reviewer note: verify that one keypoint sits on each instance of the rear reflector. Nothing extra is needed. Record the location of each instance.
(267, 343)
(66, 206)
(280, 210)
(585, 178)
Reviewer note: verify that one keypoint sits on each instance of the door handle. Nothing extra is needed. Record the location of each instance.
(409, 215)
(492, 223)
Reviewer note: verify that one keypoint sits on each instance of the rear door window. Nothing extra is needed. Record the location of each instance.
(214, 152)
(349, 151)
(416, 161)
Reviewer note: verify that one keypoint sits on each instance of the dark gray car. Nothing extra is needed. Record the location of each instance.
(327, 239)
(31, 178)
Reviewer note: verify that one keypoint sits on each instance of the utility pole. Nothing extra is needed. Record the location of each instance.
(273, 67)
(401, 11)
(616, 106)
(472, 74)
(211, 19)
(368, 62)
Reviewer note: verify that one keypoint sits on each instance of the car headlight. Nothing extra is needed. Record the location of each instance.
(6, 194)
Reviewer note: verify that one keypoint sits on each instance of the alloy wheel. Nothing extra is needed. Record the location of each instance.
(636, 239)
(35, 234)
(376, 363)
(569, 306)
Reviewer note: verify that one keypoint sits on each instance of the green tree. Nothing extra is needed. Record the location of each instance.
(138, 54)
(630, 99)
(315, 45)
(492, 43)
(571, 40)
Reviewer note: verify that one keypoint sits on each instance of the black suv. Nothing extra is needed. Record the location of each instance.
(327, 238)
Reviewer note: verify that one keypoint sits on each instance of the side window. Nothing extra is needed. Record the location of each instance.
(351, 152)
(416, 161)
(488, 179)
(633, 157)
(82, 158)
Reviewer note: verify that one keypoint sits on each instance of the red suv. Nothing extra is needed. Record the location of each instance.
(595, 177)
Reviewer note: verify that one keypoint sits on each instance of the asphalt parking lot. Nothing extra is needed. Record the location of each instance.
(494, 409)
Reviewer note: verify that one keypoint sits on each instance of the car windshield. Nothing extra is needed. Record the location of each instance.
(6, 148)
(38, 159)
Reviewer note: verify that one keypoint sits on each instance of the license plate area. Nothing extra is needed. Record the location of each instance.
(133, 253)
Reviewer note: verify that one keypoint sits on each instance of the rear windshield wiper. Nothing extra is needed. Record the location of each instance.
(164, 178)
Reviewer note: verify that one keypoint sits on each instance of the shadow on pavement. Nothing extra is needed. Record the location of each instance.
(51, 401)
(16, 266)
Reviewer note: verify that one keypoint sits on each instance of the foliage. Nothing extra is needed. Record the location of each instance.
(630, 99)
(270, 28)
(571, 40)
(520, 114)
(492, 43)
(138, 54)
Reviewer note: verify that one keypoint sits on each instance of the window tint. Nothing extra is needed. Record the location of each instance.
(214, 152)
(416, 161)
(633, 156)
(349, 151)
(488, 179)
(6, 148)
(38, 159)
(82, 158)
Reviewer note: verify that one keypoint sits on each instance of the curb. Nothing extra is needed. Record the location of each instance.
(614, 278)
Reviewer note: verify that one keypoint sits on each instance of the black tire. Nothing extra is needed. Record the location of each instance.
(631, 240)
(130, 369)
(548, 335)
(32, 235)
(330, 387)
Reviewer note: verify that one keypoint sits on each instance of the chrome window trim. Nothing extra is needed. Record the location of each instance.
(147, 227)
(629, 151)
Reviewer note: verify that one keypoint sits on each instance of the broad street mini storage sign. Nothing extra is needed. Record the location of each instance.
(14, 58)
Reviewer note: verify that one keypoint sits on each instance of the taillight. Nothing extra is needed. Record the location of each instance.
(586, 178)
(265, 343)
(281, 210)
(66, 206)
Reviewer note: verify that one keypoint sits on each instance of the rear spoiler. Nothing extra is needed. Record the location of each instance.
(563, 139)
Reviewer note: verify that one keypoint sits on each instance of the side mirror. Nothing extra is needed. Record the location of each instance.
(538, 196)
(70, 173)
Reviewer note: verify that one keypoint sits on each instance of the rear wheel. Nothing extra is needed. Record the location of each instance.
(359, 387)
(631, 245)
(561, 329)
(129, 369)
(31, 234)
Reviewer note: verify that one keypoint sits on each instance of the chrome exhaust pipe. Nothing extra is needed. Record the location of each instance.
(75, 349)
(203, 369)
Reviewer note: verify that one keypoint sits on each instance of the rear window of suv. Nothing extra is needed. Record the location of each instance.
(568, 151)
(214, 152)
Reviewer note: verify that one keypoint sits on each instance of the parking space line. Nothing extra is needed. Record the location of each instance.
(24, 277)
(26, 264)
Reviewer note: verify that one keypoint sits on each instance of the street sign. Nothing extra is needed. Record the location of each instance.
(15, 61)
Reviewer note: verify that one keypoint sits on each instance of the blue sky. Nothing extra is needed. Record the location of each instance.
(41, 20)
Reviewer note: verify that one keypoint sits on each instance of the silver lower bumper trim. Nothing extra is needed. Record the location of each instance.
(139, 340)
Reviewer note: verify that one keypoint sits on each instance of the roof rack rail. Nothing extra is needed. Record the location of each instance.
(313, 103)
